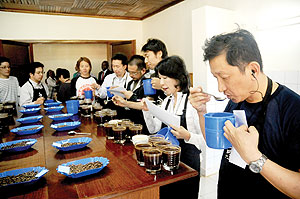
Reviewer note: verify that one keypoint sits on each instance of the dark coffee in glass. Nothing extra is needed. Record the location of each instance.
(99, 117)
(171, 157)
(153, 159)
(119, 134)
(86, 111)
(139, 152)
(108, 130)
(135, 129)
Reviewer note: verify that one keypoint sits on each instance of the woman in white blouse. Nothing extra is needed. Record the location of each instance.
(175, 83)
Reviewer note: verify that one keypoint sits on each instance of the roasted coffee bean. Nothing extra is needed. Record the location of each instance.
(84, 167)
(24, 177)
(20, 144)
(71, 144)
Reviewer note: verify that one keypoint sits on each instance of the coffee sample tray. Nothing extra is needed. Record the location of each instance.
(31, 119)
(72, 144)
(26, 130)
(60, 117)
(54, 108)
(31, 106)
(72, 169)
(17, 145)
(22, 176)
(30, 110)
(65, 126)
(50, 104)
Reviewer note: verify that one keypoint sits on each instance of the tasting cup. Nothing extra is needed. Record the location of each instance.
(156, 138)
(139, 152)
(108, 130)
(119, 134)
(171, 157)
(99, 117)
(135, 129)
(147, 86)
(153, 160)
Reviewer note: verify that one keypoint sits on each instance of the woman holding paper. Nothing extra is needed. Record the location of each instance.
(175, 83)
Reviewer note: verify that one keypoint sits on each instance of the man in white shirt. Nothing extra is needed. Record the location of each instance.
(34, 91)
(120, 77)
(9, 85)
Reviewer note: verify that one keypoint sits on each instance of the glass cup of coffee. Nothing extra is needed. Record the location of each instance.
(99, 117)
(119, 134)
(135, 129)
(153, 160)
(106, 111)
(156, 138)
(139, 152)
(86, 111)
(171, 157)
(161, 144)
(108, 130)
(112, 114)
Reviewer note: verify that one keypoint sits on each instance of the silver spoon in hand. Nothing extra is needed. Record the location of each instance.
(216, 98)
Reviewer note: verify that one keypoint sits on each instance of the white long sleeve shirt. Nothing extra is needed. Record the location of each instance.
(26, 92)
(192, 119)
(113, 80)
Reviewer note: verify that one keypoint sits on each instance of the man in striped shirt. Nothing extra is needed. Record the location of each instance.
(9, 85)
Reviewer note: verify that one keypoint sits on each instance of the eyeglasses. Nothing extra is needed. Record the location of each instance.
(40, 72)
(5, 67)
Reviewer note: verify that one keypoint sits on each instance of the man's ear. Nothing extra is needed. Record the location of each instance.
(159, 54)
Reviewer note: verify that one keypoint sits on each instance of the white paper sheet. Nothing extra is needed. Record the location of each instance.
(235, 158)
(117, 91)
(64, 169)
(56, 144)
(161, 114)
(41, 173)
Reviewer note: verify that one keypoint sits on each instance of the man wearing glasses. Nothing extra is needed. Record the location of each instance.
(9, 85)
(134, 91)
(34, 91)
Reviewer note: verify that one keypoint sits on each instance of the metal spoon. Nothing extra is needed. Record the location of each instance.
(77, 133)
(216, 98)
(106, 101)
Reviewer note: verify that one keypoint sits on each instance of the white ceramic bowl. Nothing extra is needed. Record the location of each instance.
(140, 139)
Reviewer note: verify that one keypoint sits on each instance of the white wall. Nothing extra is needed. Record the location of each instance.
(19, 26)
(55, 56)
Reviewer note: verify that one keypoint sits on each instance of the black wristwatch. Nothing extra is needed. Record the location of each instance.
(256, 166)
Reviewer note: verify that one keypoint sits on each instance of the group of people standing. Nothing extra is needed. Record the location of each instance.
(270, 145)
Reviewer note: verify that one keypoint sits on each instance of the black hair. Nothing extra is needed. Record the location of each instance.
(64, 72)
(137, 60)
(120, 57)
(33, 66)
(156, 45)
(240, 48)
(174, 67)
(4, 59)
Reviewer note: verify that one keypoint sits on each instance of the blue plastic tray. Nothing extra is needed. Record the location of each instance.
(41, 171)
(69, 126)
(52, 104)
(22, 148)
(31, 119)
(23, 130)
(103, 160)
(168, 135)
(60, 117)
(31, 106)
(49, 101)
(86, 141)
(54, 108)
(30, 110)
